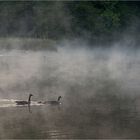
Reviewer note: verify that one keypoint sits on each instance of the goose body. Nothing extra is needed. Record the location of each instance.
(24, 102)
(53, 102)
(57, 102)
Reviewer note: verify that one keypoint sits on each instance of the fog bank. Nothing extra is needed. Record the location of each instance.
(71, 71)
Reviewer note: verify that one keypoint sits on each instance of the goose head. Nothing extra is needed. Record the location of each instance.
(30, 95)
(29, 99)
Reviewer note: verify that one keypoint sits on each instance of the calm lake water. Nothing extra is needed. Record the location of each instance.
(100, 94)
(102, 119)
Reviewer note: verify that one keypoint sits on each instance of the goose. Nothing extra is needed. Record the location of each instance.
(57, 102)
(25, 102)
(54, 102)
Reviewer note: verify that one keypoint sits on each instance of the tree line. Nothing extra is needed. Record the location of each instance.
(69, 19)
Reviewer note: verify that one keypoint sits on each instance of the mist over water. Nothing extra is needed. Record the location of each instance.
(99, 89)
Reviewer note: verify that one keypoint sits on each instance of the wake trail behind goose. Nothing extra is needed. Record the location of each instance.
(12, 103)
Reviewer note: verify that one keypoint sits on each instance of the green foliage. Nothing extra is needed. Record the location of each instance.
(59, 19)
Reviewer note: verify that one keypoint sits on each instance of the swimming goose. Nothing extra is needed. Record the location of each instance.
(57, 102)
(25, 102)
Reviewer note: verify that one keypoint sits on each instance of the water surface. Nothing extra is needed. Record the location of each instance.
(100, 94)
